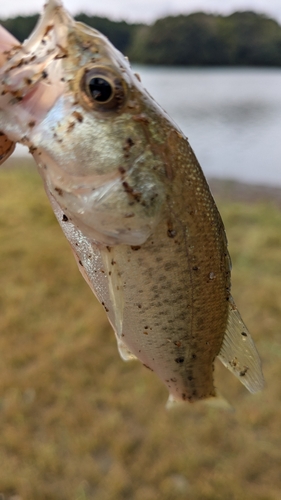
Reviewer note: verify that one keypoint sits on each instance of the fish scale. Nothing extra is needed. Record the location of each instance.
(176, 312)
(132, 201)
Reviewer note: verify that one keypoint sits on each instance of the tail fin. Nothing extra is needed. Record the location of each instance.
(239, 354)
(217, 401)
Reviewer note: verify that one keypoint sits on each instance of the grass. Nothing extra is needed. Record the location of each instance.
(77, 423)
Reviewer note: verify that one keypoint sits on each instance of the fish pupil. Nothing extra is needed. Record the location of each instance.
(100, 89)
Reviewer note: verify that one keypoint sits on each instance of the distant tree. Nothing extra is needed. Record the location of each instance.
(243, 38)
(250, 39)
(184, 40)
(20, 26)
(120, 33)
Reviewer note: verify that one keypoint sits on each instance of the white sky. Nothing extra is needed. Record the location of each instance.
(143, 10)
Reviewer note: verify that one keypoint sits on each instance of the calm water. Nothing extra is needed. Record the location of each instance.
(232, 117)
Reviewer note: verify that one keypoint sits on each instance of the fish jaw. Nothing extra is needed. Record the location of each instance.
(27, 90)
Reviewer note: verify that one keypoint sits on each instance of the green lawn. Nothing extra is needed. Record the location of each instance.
(77, 423)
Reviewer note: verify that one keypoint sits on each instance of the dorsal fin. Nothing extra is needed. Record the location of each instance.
(239, 354)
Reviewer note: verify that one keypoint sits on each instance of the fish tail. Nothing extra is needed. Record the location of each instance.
(214, 401)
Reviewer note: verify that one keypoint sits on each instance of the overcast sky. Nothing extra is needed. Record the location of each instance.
(144, 10)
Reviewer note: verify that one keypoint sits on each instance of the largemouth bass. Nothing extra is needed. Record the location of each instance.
(132, 201)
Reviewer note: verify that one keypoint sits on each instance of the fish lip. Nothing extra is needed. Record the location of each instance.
(53, 11)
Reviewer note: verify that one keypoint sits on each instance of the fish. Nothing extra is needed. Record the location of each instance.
(133, 202)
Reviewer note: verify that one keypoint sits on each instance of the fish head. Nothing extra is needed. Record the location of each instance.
(98, 137)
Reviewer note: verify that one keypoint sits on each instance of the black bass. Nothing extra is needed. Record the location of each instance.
(132, 201)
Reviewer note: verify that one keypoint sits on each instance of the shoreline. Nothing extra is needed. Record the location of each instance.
(222, 189)
(236, 191)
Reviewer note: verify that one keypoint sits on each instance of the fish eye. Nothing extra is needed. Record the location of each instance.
(102, 89)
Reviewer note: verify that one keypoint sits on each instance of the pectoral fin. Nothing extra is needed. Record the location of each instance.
(239, 354)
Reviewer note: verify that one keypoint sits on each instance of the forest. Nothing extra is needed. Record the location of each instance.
(199, 39)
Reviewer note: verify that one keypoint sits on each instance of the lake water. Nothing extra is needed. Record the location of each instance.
(232, 117)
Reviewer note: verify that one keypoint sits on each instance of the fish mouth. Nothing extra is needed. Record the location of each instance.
(31, 79)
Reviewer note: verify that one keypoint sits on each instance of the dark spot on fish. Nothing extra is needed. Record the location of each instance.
(78, 116)
(193, 356)
(145, 333)
(128, 189)
(146, 366)
(32, 123)
(179, 360)
(80, 263)
(141, 118)
(243, 372)
(122, 170)
(28, 81)
(135, 247)
(48, 29)
(64, 218)
(244, 334)
(139, 306)
(177, 343)
(183, 396)
(108, 249)
(195, 268)
(58, 190)
(173, 379)
(129, 143)
(113, 262)
(171, 233)
(44, 74)
(190, 378)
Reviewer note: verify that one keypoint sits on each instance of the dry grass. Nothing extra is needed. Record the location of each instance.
(77, 423)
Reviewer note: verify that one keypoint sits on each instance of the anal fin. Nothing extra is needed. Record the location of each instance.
(239, 354)
(124, 352)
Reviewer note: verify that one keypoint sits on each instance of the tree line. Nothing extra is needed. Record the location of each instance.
(199, 39)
